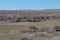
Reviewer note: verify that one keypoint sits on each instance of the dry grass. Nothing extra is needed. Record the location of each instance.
(10, 31)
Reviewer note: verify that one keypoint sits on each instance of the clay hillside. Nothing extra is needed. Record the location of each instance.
(29, 15)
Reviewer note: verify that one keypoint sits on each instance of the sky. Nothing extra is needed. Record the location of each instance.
(29, 4)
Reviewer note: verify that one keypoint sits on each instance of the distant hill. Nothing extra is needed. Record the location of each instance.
(29, 12)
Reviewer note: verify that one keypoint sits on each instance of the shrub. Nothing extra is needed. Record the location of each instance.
(56, 28)
(33, 27)
(24, 38)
